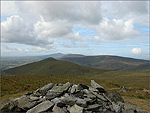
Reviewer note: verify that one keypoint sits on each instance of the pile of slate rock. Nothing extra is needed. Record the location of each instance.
(70, 98)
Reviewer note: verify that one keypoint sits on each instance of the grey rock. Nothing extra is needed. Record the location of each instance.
(123, 89)
(25, 103)
(93, 89)
(76, 109)
(65, 109)
(97, 86)
(73, 89)
(68, 100)
(82, 86)
(46, 87)
(93, 107)
(58, 102)
(61, 89)
(116, 107)
(9, 105)
(58, 90)
(81, 102)
(51, 95)
(86, 91)
(114, 96)
(60, 84)
(99, 96)
(89, 101)
(33, 98)
(41, 107)
(57, 109)
(79, 94)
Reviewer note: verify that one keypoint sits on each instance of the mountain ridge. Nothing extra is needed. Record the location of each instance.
(106, 62)
(52, 67)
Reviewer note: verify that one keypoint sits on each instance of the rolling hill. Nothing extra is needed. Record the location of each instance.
(11, 62)
(52, 67)
(107, 62)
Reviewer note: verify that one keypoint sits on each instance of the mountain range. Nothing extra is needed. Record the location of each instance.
(104, 62)
(107, 62)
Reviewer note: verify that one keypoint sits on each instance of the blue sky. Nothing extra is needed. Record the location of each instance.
(46, 29)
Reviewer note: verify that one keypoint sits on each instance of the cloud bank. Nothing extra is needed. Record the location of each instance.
(42, 24)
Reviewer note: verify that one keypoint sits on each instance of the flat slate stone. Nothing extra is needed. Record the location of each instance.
(68, 100)
(41, 107)
(81, 102)
(97, 86)
(57, 109)
(61, 89)
(58, 102)
(93, 107)
(76, 109)
(25, 103)
(46, 87)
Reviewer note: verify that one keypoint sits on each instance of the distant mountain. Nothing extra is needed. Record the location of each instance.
(55, 55)
(11, 62)
(52, 67)
(106, 62)
(72, 56)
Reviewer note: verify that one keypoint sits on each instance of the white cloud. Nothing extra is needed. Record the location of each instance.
(16, 30)
(97, 39)
(70, 11)
(9, 8)
(137, 10)
(54, 29)
(116, 29)
(136, 51)
(45, 23)
(34, 49)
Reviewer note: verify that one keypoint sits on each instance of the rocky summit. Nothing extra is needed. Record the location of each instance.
(70, 98)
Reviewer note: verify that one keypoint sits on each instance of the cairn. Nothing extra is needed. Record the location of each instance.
(70, 98)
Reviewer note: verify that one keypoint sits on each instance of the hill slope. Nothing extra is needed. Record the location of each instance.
(106, 62)
(11, 62)
(52, 67)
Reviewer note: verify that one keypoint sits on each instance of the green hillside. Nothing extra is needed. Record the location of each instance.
(52, 67)
(143, 68)
(106, 62)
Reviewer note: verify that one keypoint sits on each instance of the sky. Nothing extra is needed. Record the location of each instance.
(30, 28)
